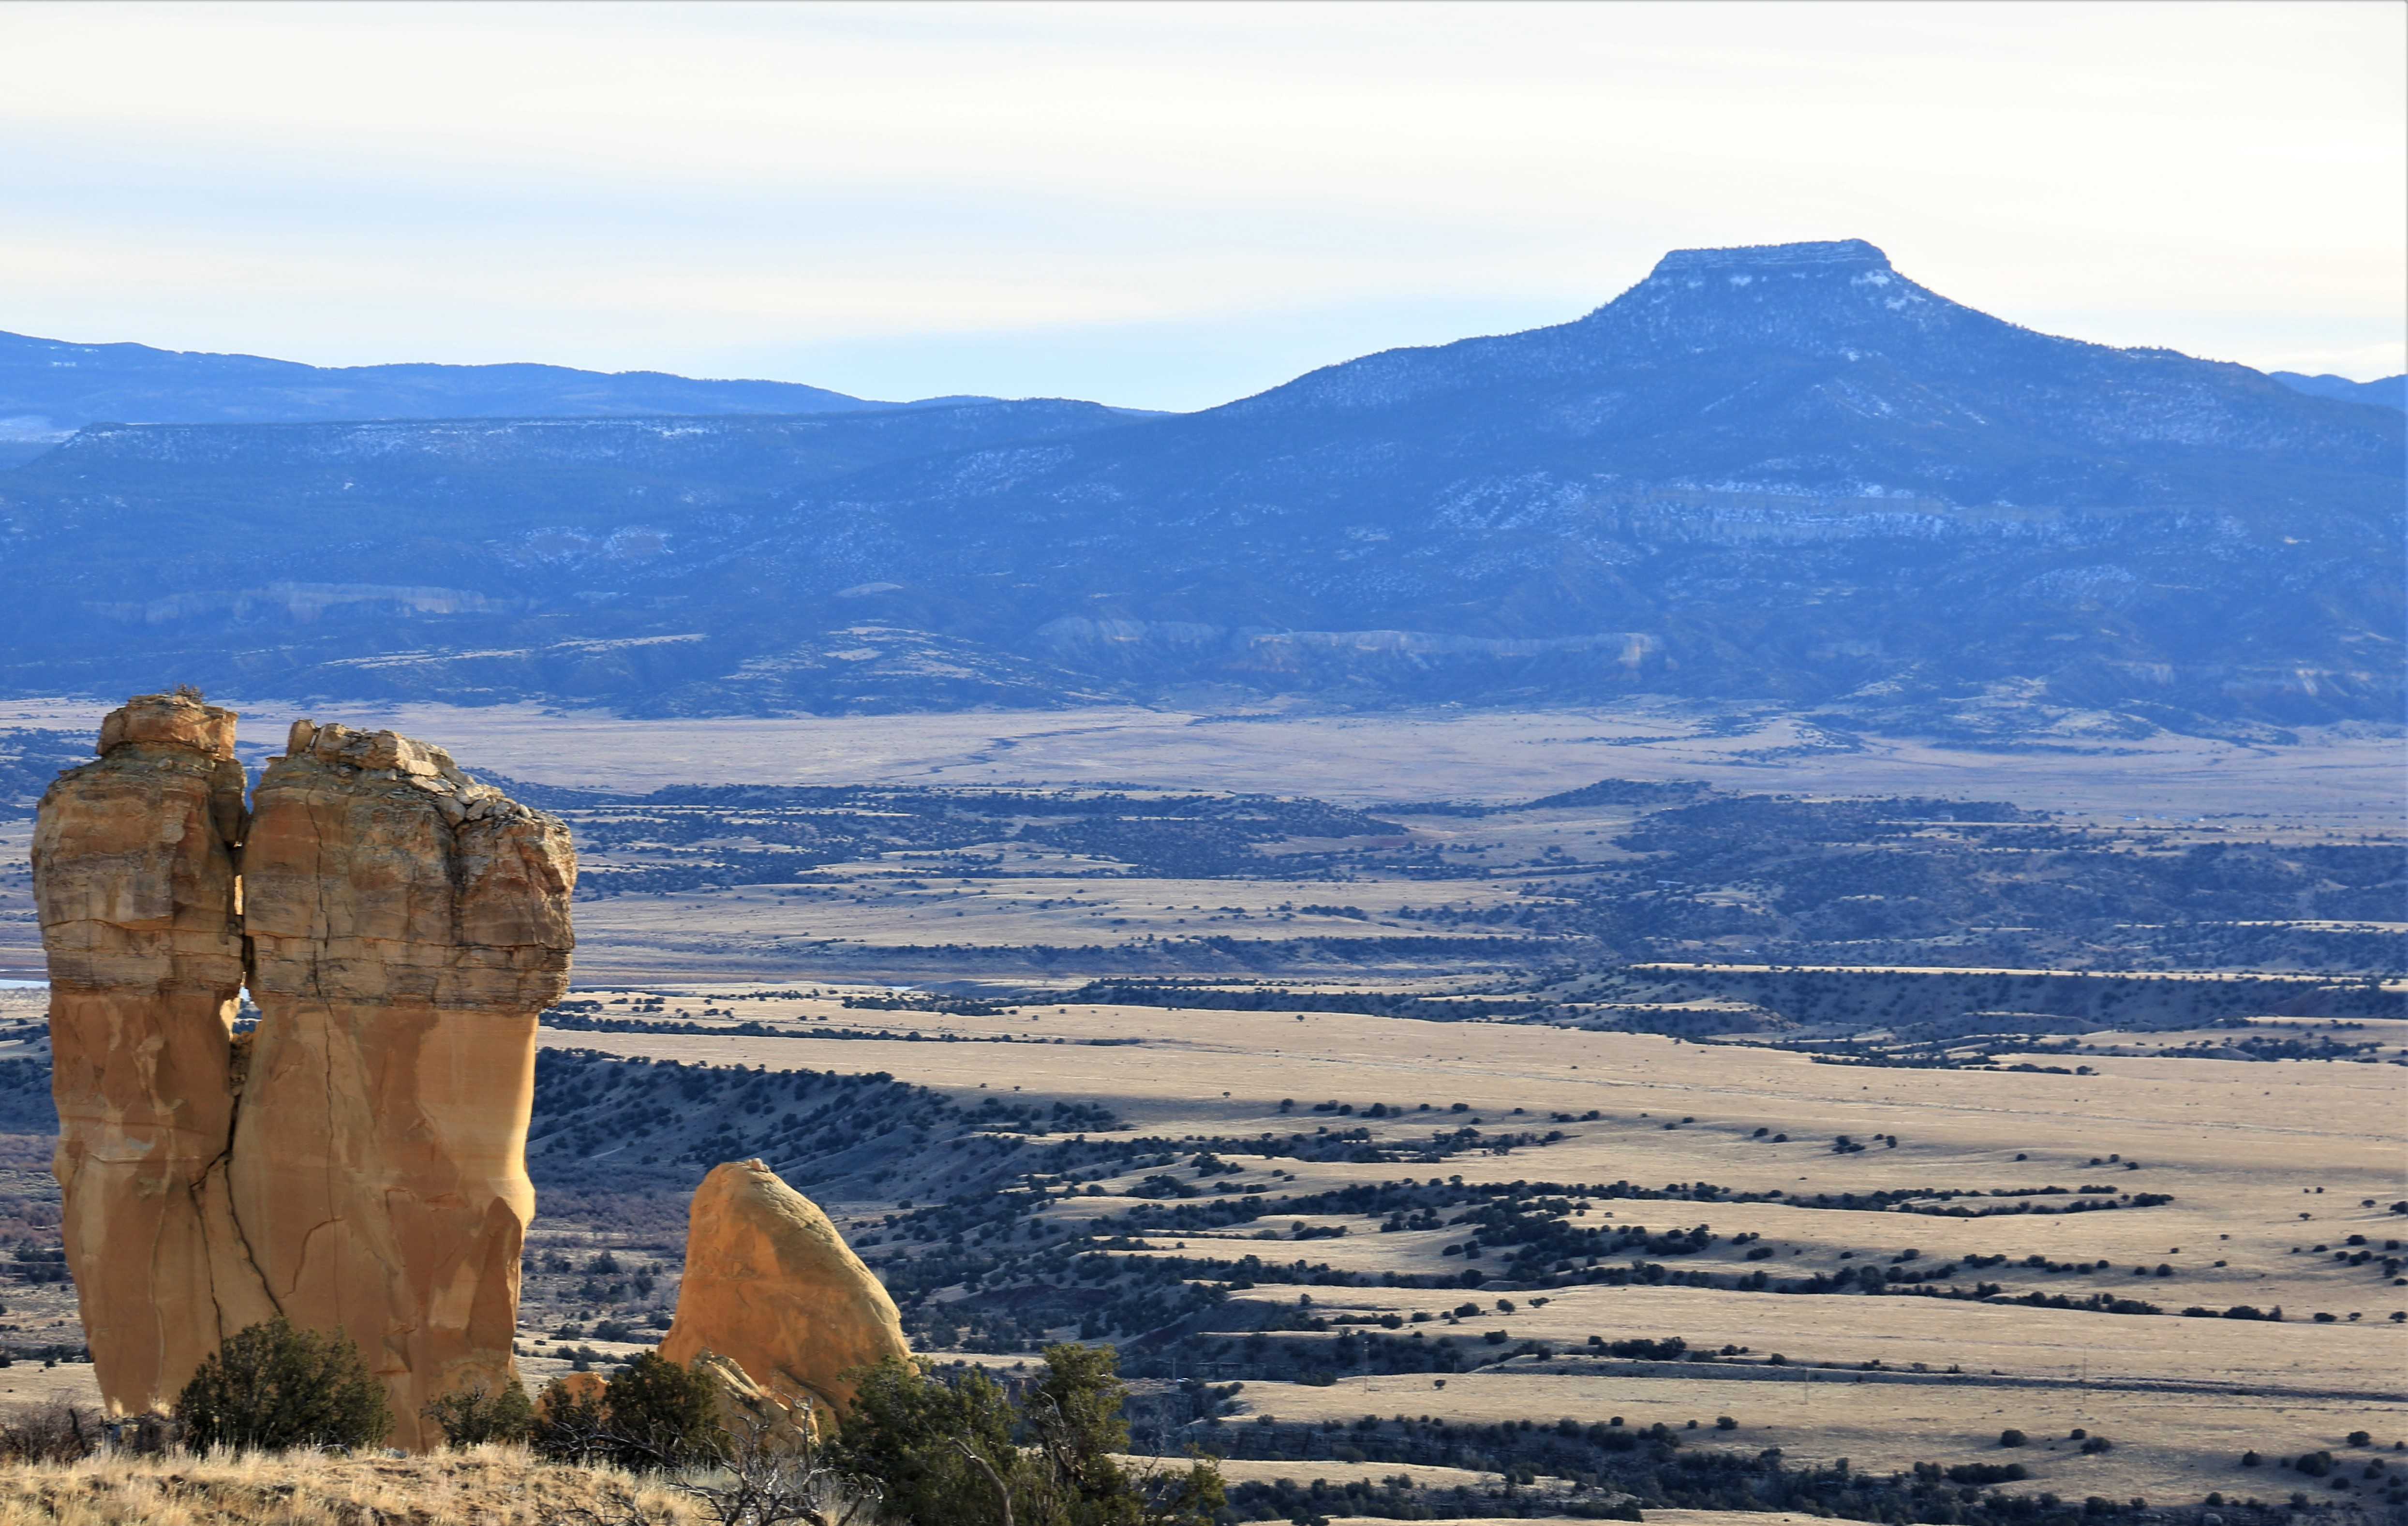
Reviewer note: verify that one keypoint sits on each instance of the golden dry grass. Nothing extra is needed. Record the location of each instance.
(2335, 774)
(1655, 1518)
(1236, 1471)
(490, 1486)
(2271, 1165)
(2168, 1444)
(2246, 1151)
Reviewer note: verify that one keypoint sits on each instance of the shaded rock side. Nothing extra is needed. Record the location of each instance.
(407, 925)
(771, 1285)
(754, 1417)
(134, 861)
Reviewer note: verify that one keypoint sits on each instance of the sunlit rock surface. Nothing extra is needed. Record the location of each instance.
(358, 1164)
(133, 879)
(406, 927)
(771, 1285)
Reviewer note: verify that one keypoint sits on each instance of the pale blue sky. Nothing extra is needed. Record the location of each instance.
(1169, 205)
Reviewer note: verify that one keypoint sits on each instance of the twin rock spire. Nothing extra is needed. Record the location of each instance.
(359, 1161)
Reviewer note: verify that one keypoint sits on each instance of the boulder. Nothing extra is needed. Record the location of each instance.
(406, 927)
(583, 1389)
(751, 1420)
(771, 1285)
(134, 860)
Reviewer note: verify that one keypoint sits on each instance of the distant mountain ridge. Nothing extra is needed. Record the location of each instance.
(1786, 476)
(2383, 392)
(49, 388)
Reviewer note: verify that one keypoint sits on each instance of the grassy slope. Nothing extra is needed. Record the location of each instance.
(492, 1486)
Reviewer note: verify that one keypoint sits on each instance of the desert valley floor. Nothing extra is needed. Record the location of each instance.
(1380, 1084)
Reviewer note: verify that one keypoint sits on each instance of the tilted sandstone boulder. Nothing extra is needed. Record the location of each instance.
(406, 928)
(771, 1285)
(360, 1164)
(134, 880)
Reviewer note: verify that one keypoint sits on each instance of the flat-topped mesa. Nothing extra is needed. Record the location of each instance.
(134, 862)
(1848, 253)
(406, 927)
(1837, 298)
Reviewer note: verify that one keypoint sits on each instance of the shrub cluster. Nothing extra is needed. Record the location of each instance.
(271, 1387)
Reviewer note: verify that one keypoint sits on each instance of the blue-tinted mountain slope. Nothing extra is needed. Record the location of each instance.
(49, 388)
(1784, 472)
(2383, 391)
(1784, 475)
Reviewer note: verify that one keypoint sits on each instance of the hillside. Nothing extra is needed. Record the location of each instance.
(49, 388)
(2383, 391)
(1787, 476)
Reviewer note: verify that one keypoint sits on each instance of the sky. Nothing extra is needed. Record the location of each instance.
(1169, 205)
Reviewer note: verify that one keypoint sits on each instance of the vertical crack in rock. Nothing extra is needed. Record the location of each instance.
(134, 881)
(360, 1165)
(407, 926)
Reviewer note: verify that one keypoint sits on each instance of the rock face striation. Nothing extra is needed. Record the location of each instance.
(362, 1165)
(134, 882)
(406, 927)
(772, 1287)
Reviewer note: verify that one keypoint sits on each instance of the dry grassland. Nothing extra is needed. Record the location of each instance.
(488, 1486)
(2337, 776)
(2271, 1167)
(1664, 1517)
(899, 906)
(2337, 784)
(2258, 1158)
(1669, 1517)
(2169, 1445)
(1242, 1471)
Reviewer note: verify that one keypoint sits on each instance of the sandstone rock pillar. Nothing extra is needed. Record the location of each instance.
(134, 881)
(771, 1285)
(406, 927)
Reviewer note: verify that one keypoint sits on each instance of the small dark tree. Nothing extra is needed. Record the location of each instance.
(649, 1416)
(940, 1451)
(471, 1416)
(272, 1387)
(660, 1414)
(963, 1450)
(653, 1415)
(2012, 1438)
(570, 1424)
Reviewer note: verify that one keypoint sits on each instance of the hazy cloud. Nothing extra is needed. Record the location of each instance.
(1169, 205)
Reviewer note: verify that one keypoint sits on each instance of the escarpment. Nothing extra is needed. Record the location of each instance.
(363, 1168)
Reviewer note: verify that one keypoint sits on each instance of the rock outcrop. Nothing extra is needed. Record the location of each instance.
(134, 880)
(363, 1166)
(406, 927)
(771, 1285)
